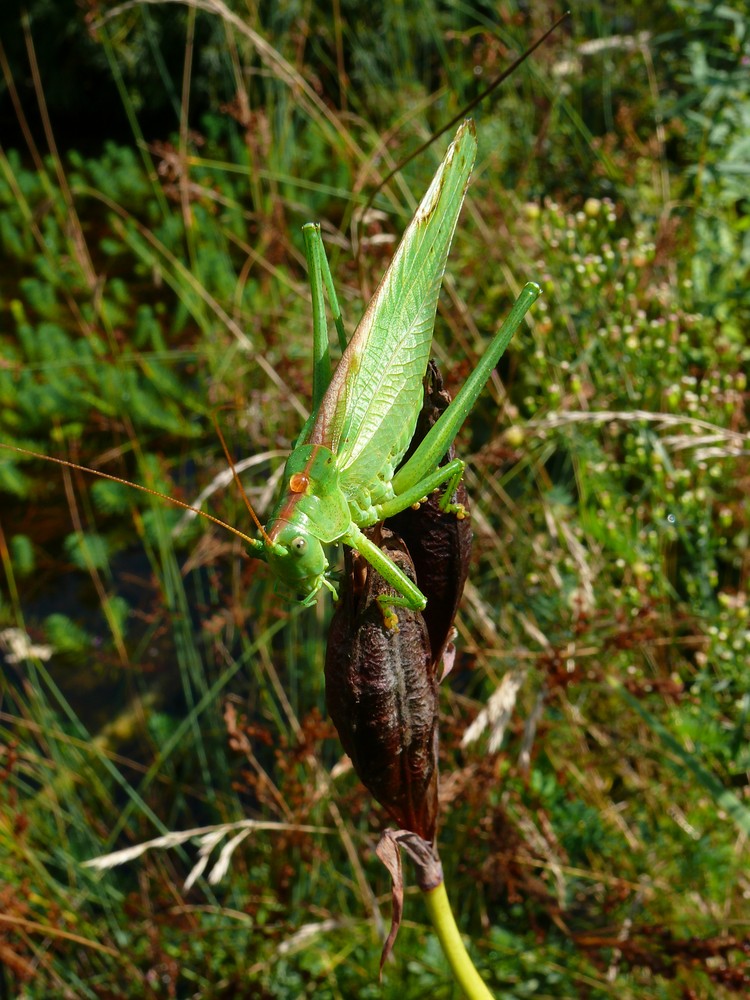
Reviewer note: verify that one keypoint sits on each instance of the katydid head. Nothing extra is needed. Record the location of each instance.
(297, 560)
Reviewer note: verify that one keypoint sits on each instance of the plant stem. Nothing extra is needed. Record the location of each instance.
(444, 923)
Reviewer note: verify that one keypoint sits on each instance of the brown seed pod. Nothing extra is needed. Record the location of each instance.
(381, 692)
(381, 686)
(439, 543)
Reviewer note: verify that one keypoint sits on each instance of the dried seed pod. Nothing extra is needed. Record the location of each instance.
(381, 692)
(439, 543)
(381, 686)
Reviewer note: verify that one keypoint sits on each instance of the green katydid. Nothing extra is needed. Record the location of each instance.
(341, 474)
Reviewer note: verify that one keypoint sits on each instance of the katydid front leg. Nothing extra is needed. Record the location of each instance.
(320, 277)
(408, 593)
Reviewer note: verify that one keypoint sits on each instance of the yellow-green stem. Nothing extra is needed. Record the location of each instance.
(444, 923)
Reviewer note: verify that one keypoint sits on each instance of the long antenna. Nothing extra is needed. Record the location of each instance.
(240, 487)
(466, 109)
(252, 542)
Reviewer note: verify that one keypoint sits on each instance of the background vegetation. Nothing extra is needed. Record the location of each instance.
(158, 161)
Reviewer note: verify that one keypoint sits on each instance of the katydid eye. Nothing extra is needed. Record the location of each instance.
(299, 482)
(299, 544)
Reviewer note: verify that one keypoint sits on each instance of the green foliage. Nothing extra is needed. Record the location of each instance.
(12, 480)
(22, 554)
(89, 551)
(117, 610)
(591, 849)
(710, 101)
(112, 498)
(65, 635)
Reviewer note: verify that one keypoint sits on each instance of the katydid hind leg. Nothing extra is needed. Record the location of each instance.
(448, 475)
(321, 284)
(333, 301)
(321, 280)
(321, 351)
(441, 436)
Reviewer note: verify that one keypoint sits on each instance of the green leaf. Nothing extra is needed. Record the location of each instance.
(65, 635)
(12, 480)
(22, 554)
(117, 609)
(112, 498)
(87, 551)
